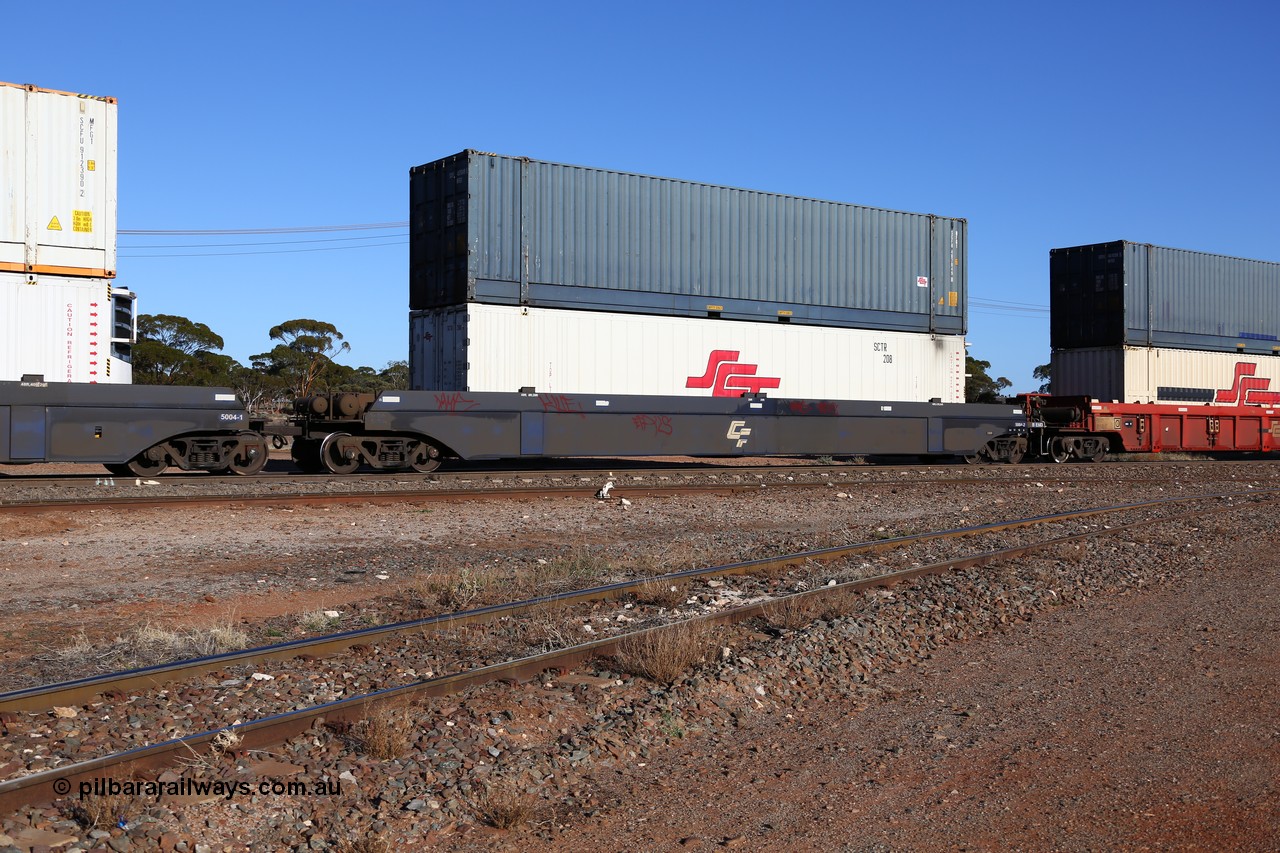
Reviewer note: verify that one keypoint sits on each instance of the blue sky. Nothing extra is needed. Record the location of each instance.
(1043, 124)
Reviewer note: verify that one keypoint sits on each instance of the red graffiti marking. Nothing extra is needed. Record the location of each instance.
(454, 402)
(804, 407)
(726, 377)
(561, 403)
(661, 424)
(1248, 389)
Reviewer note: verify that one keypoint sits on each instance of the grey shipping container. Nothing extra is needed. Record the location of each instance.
(1134, 294)
(512, 231)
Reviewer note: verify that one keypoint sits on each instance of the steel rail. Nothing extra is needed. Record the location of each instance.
(82, 691)
(388, 496)
(269, 731)
(503, 491)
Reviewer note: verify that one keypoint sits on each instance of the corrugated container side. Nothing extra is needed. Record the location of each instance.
(65, 329)
(57, 182)
(1162, 375)
(503, 230)
(1122, 293)
(481, 347)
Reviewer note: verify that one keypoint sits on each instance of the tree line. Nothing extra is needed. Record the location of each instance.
(174, 350)
(979, 387)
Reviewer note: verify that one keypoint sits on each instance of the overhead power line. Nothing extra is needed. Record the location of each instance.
(368, 226)
(267, 251)
(259, 243)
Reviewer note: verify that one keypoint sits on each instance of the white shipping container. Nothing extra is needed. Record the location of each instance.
(479, 347)
(1155, 375)
(57, 182)
(65, 329)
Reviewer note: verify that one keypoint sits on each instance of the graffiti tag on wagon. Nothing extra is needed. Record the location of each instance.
(806, 407)
(660, 424)
(561, 403)
(454, 402)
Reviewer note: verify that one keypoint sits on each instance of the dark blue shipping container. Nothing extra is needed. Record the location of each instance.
(1134, 294)
(513, 231)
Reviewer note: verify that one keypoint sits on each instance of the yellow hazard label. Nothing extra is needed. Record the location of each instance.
(92, 165)
(953, 298)
(82, 221)
(54, 224)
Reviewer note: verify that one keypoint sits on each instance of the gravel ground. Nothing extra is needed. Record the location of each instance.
(1122, 694)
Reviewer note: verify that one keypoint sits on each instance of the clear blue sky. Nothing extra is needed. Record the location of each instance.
(1043, 124)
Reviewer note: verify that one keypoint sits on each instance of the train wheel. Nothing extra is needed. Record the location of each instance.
(1017, 451)
(143, 466)
(334, 458)
(1059, 451)
(1099, 451)
(306, 455)
(426, 459)
(249, 456)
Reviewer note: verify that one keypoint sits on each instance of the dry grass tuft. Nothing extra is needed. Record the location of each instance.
(661, 593)
(839, 603)
(505, 807)
(791, 613)
(146, 645)
(372, 842)
(664, 655)
(105, 811)
(158, 644)
(548, 627)
(580, 567)
(316, 621)
(461, 589)
(388, 732)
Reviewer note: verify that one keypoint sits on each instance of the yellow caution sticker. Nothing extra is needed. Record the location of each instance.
(54, 224)
(953, 298)
(92, 165)
(82, 221)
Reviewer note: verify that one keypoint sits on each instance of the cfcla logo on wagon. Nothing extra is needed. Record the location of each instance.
(727, 377)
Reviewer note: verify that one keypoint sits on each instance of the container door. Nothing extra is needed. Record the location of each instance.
(947, 276)
(26, 433)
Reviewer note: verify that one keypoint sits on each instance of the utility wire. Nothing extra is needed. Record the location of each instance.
(368, 226)
(258, 243)
(269, 252)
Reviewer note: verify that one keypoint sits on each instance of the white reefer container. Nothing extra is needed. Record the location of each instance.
(1156, 375)
(65, 329)
(478, 347)
(57, 182)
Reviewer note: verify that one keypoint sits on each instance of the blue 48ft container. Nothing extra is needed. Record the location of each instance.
(1134, 294)
(512, 231)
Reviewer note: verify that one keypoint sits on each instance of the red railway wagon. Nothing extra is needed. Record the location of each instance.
(1080, 427)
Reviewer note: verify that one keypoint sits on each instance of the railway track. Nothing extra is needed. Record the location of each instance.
(136, 493)
(279, 726)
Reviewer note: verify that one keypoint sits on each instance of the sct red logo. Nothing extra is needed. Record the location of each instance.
(727, 377)
(1248, 390)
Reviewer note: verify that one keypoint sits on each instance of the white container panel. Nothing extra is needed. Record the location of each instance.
(61, 328)
(57, 182)
(1157, 375)
(480, 347)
